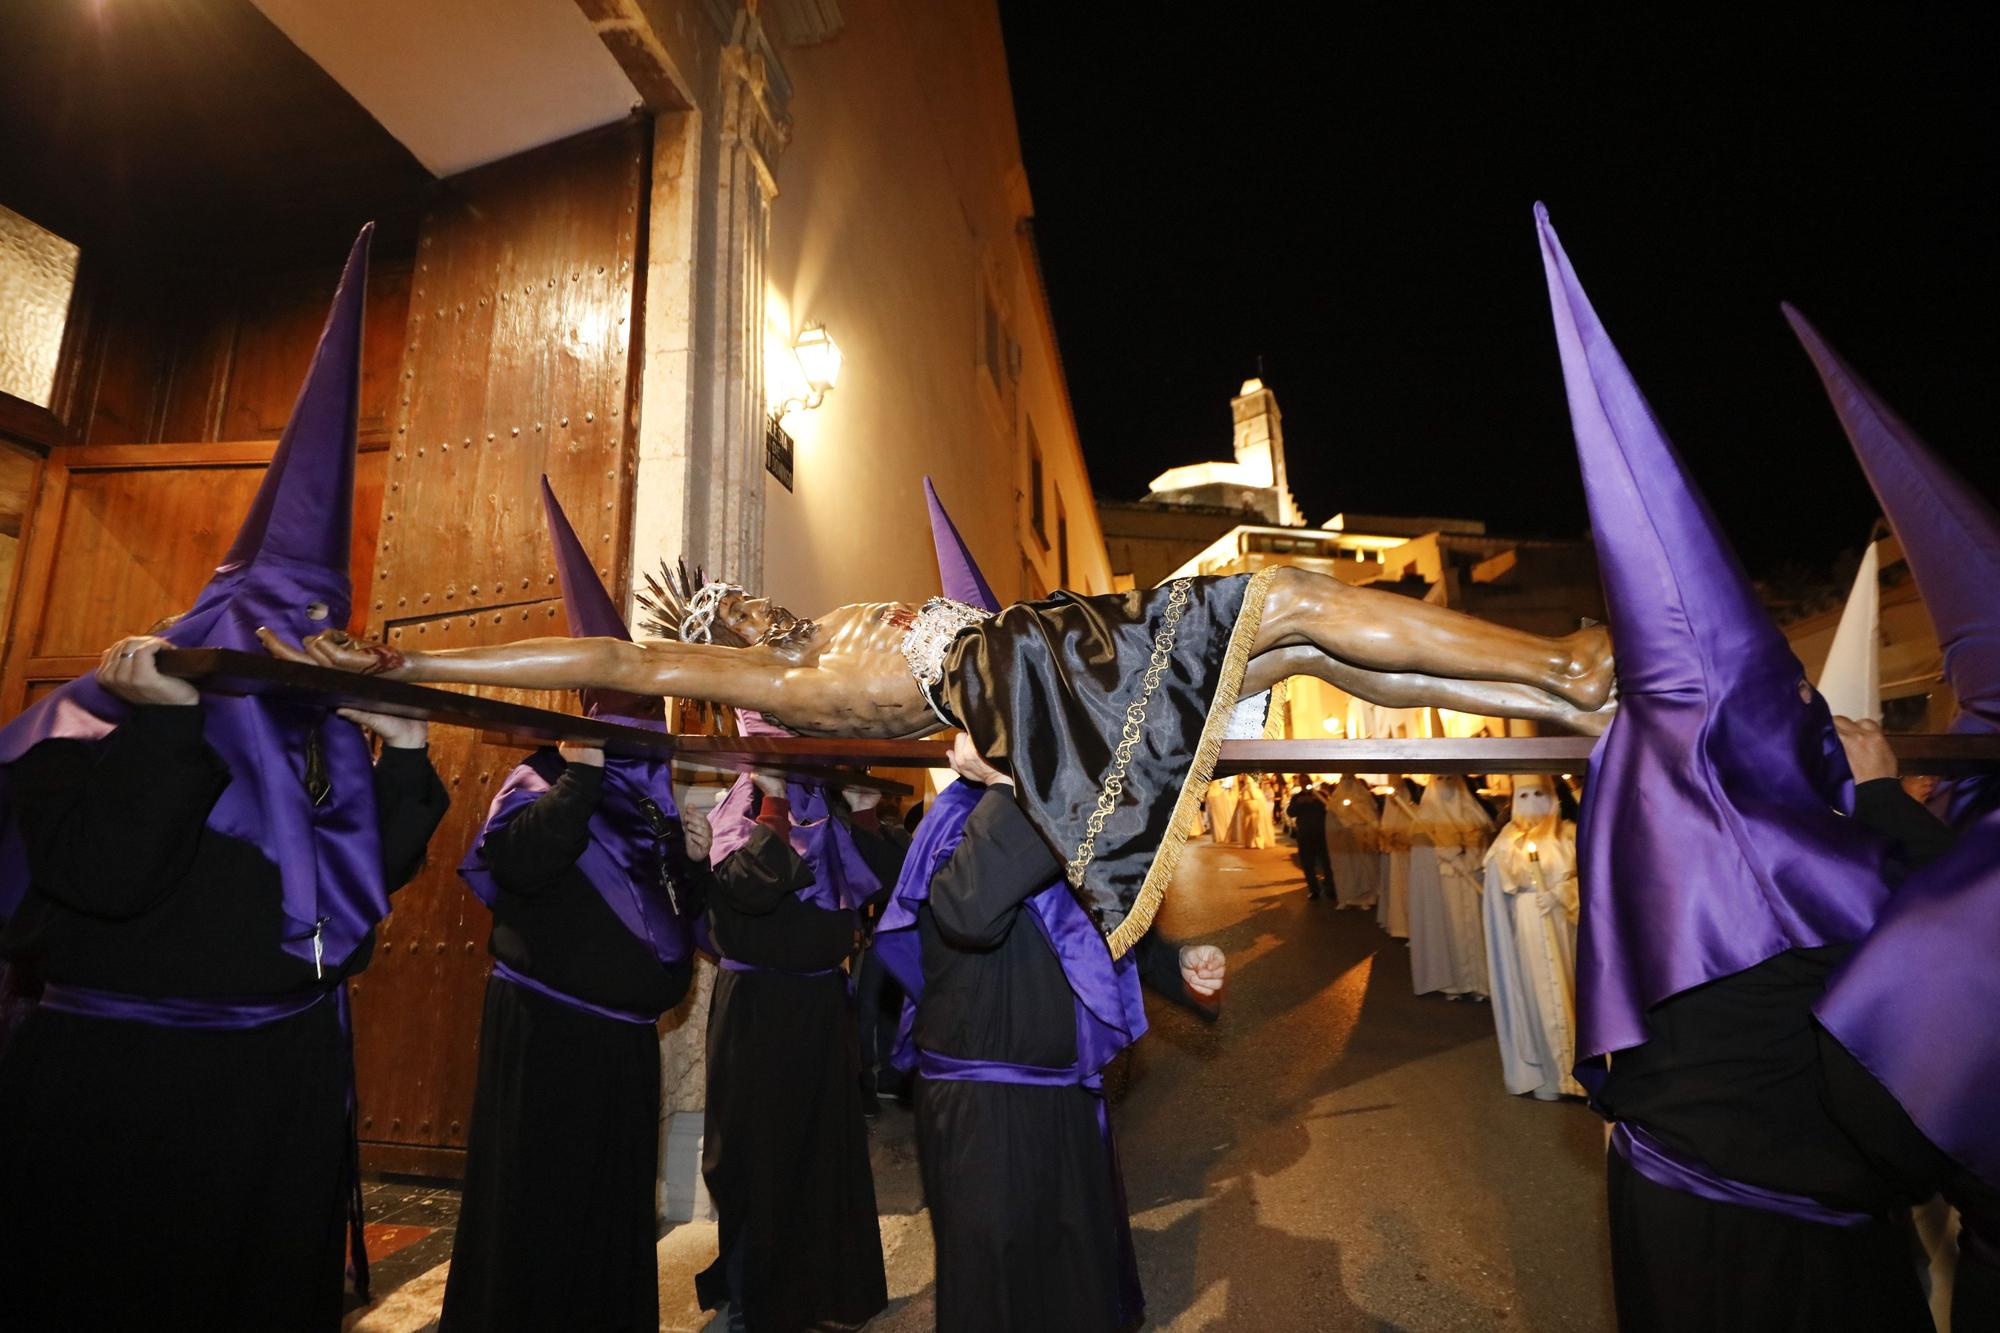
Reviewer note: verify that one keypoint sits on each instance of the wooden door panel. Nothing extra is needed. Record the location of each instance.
(122, 535)
(133, 545)
(520, 348)
(518, 363)
(417, 1009)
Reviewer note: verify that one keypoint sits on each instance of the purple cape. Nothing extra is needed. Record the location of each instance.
(1111, 1008)
(291, 551)
(841, 877)
(1916, 1001)
(1711, 835)
(621, 860)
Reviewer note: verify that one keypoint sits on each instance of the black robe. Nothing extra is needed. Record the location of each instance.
(153, 1177)
(784, 1147)
(1738, 1075)
(1025, 1198)
(557, 1225)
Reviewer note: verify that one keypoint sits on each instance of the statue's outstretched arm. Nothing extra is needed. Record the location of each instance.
(735, 677)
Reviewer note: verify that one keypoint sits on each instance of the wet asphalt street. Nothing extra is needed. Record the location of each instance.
(1337, 1153)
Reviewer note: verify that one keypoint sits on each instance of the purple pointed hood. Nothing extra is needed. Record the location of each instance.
(624, 858)
(592, 614)
(1709, 839)
(842, 877)
(1951, 537)
(958, 573)
(1110, 1011)
(287, 569)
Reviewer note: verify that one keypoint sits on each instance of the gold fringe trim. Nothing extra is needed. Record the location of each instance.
(1194, 786)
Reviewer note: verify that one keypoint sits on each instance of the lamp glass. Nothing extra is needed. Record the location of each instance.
(819, 357)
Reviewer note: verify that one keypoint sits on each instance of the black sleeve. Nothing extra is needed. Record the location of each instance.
(1000, 863)
(884, 856)
(1159, 961)
(1975, 1288)
(410, 803)
(111, 826)
(536, 849)
(759, 875)
(1921, 837)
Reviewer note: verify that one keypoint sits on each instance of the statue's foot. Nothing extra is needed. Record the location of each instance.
(1588, 679)
(1593, 721)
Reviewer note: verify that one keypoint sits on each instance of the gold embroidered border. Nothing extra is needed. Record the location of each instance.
(1195, 785)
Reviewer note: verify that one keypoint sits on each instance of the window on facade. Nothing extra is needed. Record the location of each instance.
(1062, 544)
(37, 277)
(1036, 519)
(994, 344)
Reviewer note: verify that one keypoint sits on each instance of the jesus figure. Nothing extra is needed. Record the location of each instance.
(1106, 710)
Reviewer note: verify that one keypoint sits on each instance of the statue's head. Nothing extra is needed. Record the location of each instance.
(748, 618)
(725, 613)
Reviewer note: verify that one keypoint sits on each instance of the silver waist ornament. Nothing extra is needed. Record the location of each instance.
(938, 622)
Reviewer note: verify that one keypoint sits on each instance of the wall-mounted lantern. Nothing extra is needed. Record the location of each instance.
(819, 366)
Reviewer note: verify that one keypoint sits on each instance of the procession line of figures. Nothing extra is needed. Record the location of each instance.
(1785, 968)
(1486, 912)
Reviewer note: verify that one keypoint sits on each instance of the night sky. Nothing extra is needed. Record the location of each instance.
(1350, 199)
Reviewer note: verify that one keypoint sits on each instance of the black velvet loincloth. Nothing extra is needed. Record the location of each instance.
(1050, 691)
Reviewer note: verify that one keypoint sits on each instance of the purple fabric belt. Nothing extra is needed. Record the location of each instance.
(195, 1013)
(1675, 1171)
(525, 982)
(951, 1069)
(240, 1014)
(736, 965)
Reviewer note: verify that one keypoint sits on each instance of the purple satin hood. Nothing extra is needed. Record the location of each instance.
(292, 550)
(1106, 989)
(1951, 537)
(1711, 835)
(958, 572)
(622, 859)
(1916, 1001)
(841, 877)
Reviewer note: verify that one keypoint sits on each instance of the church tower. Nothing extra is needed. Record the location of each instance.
(1260, 448)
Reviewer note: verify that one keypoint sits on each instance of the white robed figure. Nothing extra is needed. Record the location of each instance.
(1530, 911)
(1253, 814)
(1354, 842)
(1399, 854)
(1221, 802)
(1447, 869)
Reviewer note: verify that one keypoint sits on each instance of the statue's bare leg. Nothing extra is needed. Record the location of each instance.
(1385, 632)
(1404, 689)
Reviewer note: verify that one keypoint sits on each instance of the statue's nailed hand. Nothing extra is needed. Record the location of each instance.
(338, 649)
